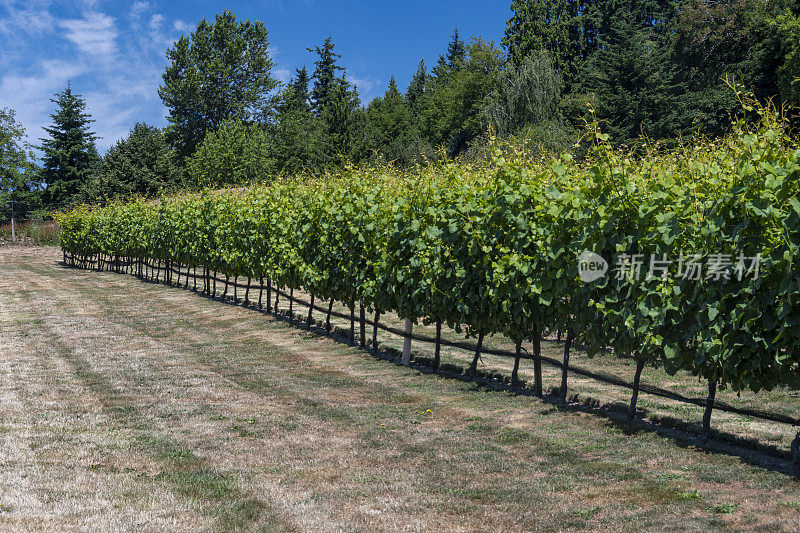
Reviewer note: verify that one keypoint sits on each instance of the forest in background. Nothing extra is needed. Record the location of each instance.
(650, 69)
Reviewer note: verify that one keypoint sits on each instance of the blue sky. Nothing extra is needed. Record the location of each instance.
(114, 52)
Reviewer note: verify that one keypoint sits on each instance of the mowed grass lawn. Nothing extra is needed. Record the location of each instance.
(134, 406)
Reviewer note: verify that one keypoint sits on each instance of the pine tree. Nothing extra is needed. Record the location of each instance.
(299, 87)
(140, 164)
(416, 89)
(324, 75)
(456, 50)
(70, 160)
(453, 112)
(632, 82)
(393, 135)
(343, 117)
(298, 134)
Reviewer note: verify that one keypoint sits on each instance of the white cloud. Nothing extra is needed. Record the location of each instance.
(283, 74)
(138, 8)
(156, 21)
(26, 18)
(30, 94)
(94, 34)
(368, 87)
(182, 26)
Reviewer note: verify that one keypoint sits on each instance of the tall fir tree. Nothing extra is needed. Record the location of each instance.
(392, 132)
(416, 88)
(453, 112)
(324, 75)
(456, 50)
(70, 161)
(633, 82)
(297, 134)
(343, 118)
(572, 30)
(301, 98)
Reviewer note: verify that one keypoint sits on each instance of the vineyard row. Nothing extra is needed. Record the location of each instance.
(500, 250)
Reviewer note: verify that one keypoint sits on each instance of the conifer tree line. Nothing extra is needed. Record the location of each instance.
(653, 68)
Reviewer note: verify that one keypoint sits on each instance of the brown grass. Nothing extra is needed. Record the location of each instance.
(131, 406)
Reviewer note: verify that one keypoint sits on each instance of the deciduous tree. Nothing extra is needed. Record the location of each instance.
(221, 72)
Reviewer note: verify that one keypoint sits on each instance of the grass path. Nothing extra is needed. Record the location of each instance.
(131, 406)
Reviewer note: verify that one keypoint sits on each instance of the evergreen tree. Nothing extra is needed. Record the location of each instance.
(572, 30)
(752, 41)
(633, 82)
(440, 70)
(344, 121)
(455, 99)
(416, 88)
(70, 160)
(298, 135)
(299, 95)
(140, 164)
(456, 50)
(299, 140)
(393, 134)
(324, 75)
(222, 71)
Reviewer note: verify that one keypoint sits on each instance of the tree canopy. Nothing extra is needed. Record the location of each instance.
(70, 162)
(221, 72)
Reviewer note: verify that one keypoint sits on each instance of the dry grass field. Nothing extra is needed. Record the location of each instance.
(131, 406)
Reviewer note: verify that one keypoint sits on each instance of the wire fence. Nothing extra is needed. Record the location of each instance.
(172, 273)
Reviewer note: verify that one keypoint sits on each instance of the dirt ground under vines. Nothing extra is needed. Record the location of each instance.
(130, 406)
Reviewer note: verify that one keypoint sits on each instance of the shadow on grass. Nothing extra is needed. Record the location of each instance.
(685, 434)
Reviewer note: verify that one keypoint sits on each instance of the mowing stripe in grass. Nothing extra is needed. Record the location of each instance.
(217, 493)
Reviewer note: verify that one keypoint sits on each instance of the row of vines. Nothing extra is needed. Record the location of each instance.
(494, 250)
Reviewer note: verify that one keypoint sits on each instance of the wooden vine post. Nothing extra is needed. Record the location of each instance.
(406, 359)
(375, 329)
(309, 318)
(352, 323)
(537, 364)
(562, 392)
(328, 318)
(437, 354)
(363, 327)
